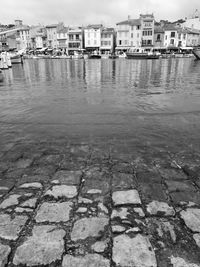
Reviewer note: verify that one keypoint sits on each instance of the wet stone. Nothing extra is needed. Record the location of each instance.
(12, 200)
(126, 197)
(179, 262)
(94, 191)
(4, 252)
(68, 177)
(133, 230)
(84, 200)
(191, 218)
(10, 228)
(58, 191)
(89, 260)
(31, 185)
(46, 245)
(4, 188)
(139, 211)
(88, 227)
(100, 246)
(54, 212)
(137, 251)
(81, 210)
(122, 213)
(156, 207)
(179, 186)
(197, 239)
(21, 210)
(30, 203)
(118, 229)
(103, 208)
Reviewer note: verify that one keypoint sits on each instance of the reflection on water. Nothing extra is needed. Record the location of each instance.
(111, 96)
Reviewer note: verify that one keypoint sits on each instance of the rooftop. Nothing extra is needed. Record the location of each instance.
(131, 22)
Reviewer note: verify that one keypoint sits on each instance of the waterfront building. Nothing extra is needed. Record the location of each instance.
(147, 27)
(52, 31)
(92, 37)
(62, 38)
(193, 22)
(135, 33)
(107, 41)
(23, 38)
(159, 34)
(75, 40)
(128, 34)
(38, 35)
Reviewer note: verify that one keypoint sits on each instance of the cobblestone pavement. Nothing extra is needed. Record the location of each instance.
(70, 205)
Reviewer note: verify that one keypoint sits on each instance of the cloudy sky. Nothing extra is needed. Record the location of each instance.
(83, 12)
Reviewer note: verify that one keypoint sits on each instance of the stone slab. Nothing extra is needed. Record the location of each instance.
(191, 218)
(156, 207)
(10, 228)
(89, 260)
(46, 245)
(88, 227)
(30, 203)
(12, 200)
(59, 191)
(54, 212)
(126, 197)
(31, 185)
(180, 262)
(68, 177)
(137, 251)
(4, 252)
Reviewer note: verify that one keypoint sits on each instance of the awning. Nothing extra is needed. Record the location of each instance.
(187, 48)
(122, 48)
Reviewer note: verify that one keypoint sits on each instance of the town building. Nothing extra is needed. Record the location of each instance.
(92, 37)
(128, 34)
(107, 41)
(38, 37)
(23, 39)
(193, 22)
(147, 27)
(62, 38)
(75, 40)
(159, 34)
(52, 31)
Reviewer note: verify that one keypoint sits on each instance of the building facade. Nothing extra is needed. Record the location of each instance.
(52, 31)
(62, 38)
(159, 35)
(92, 37)
(75, 40)
(147, 27)
(107, 41)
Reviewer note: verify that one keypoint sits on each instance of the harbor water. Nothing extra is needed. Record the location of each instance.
(143, 105)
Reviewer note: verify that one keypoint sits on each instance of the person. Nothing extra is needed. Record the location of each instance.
(3, 61)
(8, 60)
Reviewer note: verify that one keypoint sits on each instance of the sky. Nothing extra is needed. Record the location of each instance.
(84, 12)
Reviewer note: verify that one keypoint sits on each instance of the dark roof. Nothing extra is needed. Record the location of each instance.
(63, 30)
(52, 26)
(158, 29)
(171, 27)
(131, 22)
(94, 26)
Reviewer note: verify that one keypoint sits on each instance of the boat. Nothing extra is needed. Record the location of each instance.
(77, 55)
(196, 52)
(121, 54)
(113, 56)
(1, 76)
(94, 56)
(16, 58)
(139, 53)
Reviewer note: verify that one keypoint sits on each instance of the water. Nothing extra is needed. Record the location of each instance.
(146, 102)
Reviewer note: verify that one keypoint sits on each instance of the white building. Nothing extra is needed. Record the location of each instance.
(24, 40)
(62, 38)
(193, 22)
(52, 31)
(92, 37)
(107, 40)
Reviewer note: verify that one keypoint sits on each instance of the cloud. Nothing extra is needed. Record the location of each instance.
(83, 12)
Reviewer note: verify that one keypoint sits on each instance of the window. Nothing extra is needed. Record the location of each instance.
(131, 35)
(131, 28)
(172, 34)
(88, 35)
(138, 27)
(184, 36)
(126, 42)
(120, 42)
(158, 37)
(165, 37)
(95, 42)
(77, 36)
(179, 36)
(172, 41)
